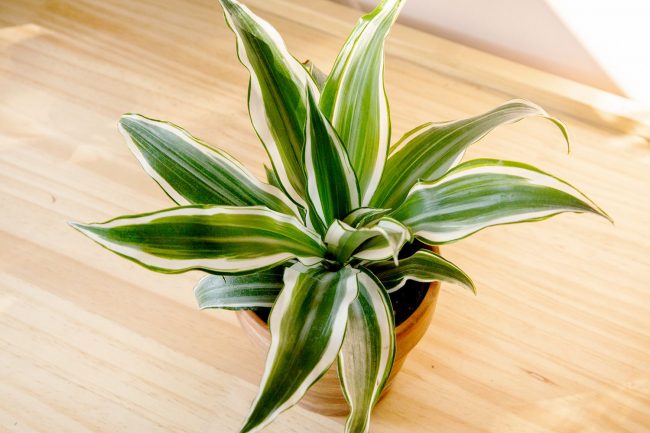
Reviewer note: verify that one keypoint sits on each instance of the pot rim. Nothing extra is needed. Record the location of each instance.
(402, 328)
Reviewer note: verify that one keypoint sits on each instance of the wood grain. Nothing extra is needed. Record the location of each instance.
(558, 339)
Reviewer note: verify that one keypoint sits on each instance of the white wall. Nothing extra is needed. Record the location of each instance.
(603, 43)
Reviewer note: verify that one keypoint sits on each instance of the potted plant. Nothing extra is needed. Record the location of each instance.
(342, 238)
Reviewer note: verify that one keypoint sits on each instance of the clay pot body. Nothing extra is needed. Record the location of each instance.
(325, 396)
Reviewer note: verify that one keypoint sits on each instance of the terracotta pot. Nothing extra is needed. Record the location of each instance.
(325, 396)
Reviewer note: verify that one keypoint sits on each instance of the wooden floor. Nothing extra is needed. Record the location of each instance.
(558, 339)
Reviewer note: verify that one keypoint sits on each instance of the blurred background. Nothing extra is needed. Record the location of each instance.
(602, 43)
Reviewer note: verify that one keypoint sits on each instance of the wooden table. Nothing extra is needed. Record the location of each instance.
(558, 339)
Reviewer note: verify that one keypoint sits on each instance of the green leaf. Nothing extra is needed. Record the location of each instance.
(363, 215)
(276, 97)
(331, 184)
(192, 172)
(430, 150)
(368, 351)
(319, 76)
(240, 292)
(423, 266)
(271, 177)
(217, 238)
(380, 241)
(483, 193)
(394, 236)
(303, 346)
(354, 98)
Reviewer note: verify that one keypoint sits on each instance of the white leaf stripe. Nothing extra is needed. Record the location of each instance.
(395, 235)
(331, 183)
(409, 135)
(430, 150)
(363, 215)
(484, 193)
(271, 177)
(144, 162)
(200, 173)
(319, 76)
(277, 113)
(368, 351)
(423, 266)
(345, 241)
(219, 238)
(327, 295)
(358, 108)
(254, 290)
(511, 111)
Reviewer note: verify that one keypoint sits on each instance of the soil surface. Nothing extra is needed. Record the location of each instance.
(407, 299)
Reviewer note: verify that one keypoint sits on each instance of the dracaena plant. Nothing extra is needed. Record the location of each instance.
(320, 241)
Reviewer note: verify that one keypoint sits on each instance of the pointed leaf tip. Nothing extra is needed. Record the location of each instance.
(332, 187)
(358, 108)
(493, 192)
(423, 266)
(276, 100)
(75, 225)
(431, 150)
(82, 228)
(224, 239)
(201, 174)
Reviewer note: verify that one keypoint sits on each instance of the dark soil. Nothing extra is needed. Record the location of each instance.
(263, 313)
(405, 301)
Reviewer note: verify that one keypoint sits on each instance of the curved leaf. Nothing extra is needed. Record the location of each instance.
(192, 172)
(303, 346)
(332, 188)
(423, 266)
(430, 150)
(382, 240)
(363, 215)
(271, 177)
(218, 238)
(368, 351)
(319, 76)
(240, 292)
(483, 193)
(276, 97)
(354, 98)
(394, 236)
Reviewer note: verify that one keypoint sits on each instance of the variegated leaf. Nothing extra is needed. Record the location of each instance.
(240, 292)
(192, 172)
(383, 239)
(332, 188)
(354, 98)
(423, 266)
(276, 98)
(303, 346)
(319, 76)
(483, 193)
(271, 177)
(217, 238)
(363, 215)
(368, 351)
(430, 150)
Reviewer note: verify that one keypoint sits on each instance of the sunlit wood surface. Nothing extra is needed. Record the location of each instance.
(558, 339)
